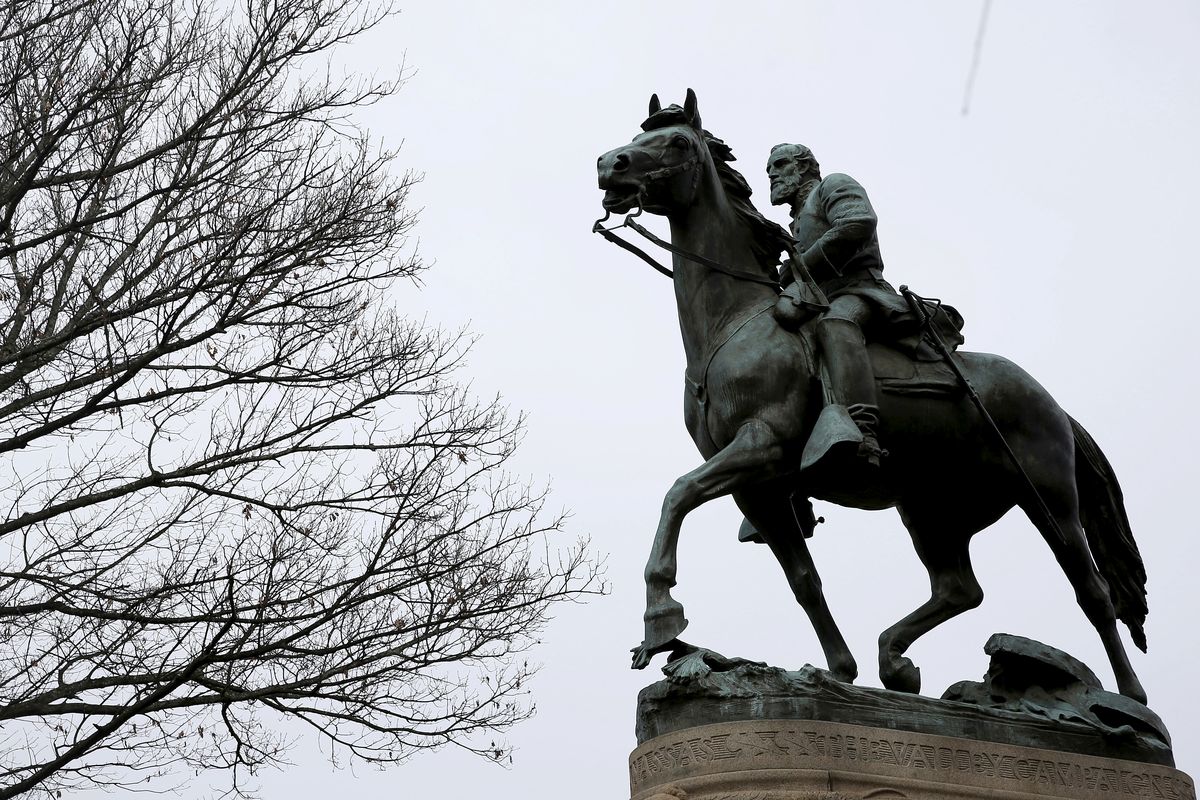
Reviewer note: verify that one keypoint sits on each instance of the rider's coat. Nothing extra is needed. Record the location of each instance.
(835, 233)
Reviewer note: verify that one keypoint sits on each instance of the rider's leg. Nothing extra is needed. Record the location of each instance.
(852, 381)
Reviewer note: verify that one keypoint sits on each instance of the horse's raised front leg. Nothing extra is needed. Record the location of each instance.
(755, 455)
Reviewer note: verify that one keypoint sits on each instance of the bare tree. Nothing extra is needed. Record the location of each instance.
(240, 488)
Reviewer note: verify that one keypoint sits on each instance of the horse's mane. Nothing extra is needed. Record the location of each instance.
(768, 238)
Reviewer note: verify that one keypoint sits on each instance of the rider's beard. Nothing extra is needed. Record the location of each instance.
(784, 188)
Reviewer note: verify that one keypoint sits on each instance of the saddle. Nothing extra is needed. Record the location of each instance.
(898, 373)
(895, 373)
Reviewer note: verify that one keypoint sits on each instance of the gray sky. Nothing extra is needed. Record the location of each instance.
(1055, 216)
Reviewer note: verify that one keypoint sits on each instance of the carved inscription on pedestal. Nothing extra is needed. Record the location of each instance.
(734, 747)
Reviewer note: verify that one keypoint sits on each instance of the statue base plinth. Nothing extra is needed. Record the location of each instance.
(819, 760)
(1038, 726)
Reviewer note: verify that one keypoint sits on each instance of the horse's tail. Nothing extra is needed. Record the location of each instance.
(1102, 511)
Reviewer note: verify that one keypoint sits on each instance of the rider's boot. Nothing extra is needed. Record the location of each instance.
(852, 380)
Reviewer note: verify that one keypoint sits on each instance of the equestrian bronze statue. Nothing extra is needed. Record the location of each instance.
(952, 440)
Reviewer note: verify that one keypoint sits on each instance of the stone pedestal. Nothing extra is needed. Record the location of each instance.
(818, 760)
(1038, 726)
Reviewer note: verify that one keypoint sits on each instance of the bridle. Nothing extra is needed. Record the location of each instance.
(653, 176)
(662, 173)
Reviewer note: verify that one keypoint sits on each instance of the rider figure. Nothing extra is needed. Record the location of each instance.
(834, 228)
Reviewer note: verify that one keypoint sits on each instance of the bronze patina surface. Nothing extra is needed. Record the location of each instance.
(785, 401)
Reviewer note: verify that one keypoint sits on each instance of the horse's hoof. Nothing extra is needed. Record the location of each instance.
(844, 671)
(902, 675)
(664, 622)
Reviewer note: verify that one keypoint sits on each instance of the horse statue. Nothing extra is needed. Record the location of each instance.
(753, 396)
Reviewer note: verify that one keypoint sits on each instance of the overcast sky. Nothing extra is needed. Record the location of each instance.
(1058, 216)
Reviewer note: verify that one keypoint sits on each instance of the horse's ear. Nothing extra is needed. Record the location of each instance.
(655, 104)
(690, 110)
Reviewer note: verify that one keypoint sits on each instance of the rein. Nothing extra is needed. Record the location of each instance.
(716, 266)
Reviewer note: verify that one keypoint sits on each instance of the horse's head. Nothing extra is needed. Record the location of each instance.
(660, 170)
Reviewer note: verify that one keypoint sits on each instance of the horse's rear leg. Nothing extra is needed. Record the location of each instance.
(1068, 541)
(771, 514)
(944, 550)
(755, 455)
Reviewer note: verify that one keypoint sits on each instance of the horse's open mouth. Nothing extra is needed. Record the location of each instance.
(620, 199)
